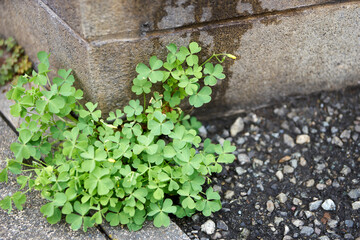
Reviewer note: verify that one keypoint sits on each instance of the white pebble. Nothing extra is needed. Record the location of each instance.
(237, 127)
(328, 205)
(208, 227)
(302, 139)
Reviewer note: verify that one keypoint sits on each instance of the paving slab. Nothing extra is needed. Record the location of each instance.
(172, 232)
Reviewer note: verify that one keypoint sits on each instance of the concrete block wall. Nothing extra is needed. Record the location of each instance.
(283, 47)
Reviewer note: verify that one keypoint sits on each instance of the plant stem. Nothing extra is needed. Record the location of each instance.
(216, 56)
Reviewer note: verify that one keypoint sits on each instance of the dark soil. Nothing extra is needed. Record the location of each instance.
(332, 166)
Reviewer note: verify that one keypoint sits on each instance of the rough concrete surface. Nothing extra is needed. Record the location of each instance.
(29, 223)
(148, 232)
(280, 51)
(128, 19)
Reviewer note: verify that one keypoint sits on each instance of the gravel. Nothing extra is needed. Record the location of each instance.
(297, 172)
(208, 227)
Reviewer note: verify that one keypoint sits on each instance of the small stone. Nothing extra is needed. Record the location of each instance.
(324, 238)
(229, 194)
(282, 197)
(310, 183)
(356, 205)
(284, 159)
(354, 193)
(294, 163)
(258, 162)
(245, 233)
(319, 167)
(328, 205)
(288, 169)
(243, 158)
(349, 236)
(357, 128)
(315, 205)
(346, 134)
(349, 223)
(278, 220)
(302, 139)
(217, 235)
(222, 225)
(237, 127)
(332, 223)
(297, 222)
(297, 202)
(208, 227)
(286, 229)
(240, 171)
(320, 186)
(270, 206)
(288, 140)
(302, 162)
(293, 180)
(345, 170)
(337, 141)
(217, 188)
(308, 214)
(307, 231)
(279, 175)
(202, 132)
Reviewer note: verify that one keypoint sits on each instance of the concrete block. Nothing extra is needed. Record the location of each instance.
(129, 18)
(283, 48)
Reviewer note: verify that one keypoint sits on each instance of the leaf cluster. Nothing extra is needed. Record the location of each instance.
(143, 162)
(13, 61)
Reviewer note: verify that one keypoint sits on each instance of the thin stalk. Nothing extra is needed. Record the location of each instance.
(216, 56)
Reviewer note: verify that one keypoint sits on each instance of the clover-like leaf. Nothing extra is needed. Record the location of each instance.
(214, 73)
(141, 86)
(134, 108)
(189, 84)
(224, 152)
(116, 117)
(159, 126)
(200, 98)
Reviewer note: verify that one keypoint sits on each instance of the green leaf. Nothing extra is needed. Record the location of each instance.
(4, 175)
(134, 108)
(161, 219)
(19, 199)
(56, 104)
(67, 208)
(6, 204)
(75, 221)
(48, 209)
(25, 135)
(141, 86)
(214, 73)
(194, 47)
(224, 152)
(200, 98)
(56, 217)
(59, 199)
(142, 70)
(168, 206)
(158, 194)
(43, 58)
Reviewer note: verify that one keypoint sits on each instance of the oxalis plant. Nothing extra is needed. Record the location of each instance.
(143, 162)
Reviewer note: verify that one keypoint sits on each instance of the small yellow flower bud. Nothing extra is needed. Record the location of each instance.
(231, 56)
(111, 160)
